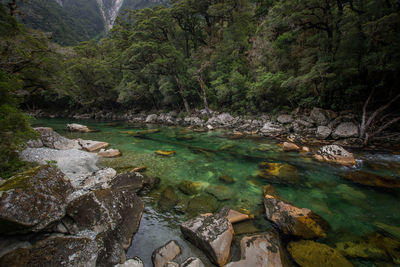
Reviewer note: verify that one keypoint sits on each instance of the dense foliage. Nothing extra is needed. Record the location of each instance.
(241, 56)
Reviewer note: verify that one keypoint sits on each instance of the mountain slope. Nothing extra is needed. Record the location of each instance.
(73, 21)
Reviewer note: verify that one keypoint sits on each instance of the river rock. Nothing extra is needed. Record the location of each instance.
(34, 143)
(32, 200)
(291, 220)
(288, 146)
(168, 199)
(285, 118)
(152, 118)
(323, 132)
(135, 262)
(335, 154)
(221, 192)
(95, 180)
(109, 153)
(373, 247)
(74, 127)
(271, 129)
(235, 216)
(262, 251)
(245, 227)
(52, 139)
(73, 163)
(55, 251)
(92, 146)
(320, 117)
(166, 253)
(202, 203)
(371, 179)
(189, 187)
(226, 179)
(192, 262)
(345, 130)
(278, 173)
(308, 253)
(213, 234)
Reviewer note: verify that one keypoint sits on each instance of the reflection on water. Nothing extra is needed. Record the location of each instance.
(351, 209)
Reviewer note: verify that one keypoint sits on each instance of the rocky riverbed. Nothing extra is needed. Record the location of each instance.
(88, 215)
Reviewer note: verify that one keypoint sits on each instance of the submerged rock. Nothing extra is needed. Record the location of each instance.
(278, 172)
(391, 230)
(202, 203)
(245, 227)
(235, 216)
(261, 251)
(55, 251)
(32, 200)
(227, 179)
(52, 139)
(221, 192)
(371, 179)
(213, 234)
(165, 153)
(287, 147)
(335, 154)
(168, 199)
(308, 253)
(295, 221)
(74, 127)
(166, 253)
(189, 187)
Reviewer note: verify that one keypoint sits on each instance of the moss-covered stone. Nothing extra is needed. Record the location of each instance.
(203, 203)
(189, 187)
(168, 199)
(308, 253)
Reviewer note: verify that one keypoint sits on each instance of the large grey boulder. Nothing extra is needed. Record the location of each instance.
(323, 132)
(152, 118)
(345, 130)
(74, 127)
(321, 117)
(225, 118)
(285, 118)
(55, 251)
(211, 233)
(32, 200)
(271, 129)
(52, 139)
(294, 221)
(264, 250)
(192, 262)
(166, 253)
(73, 163)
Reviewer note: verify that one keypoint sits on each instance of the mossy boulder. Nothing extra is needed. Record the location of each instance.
(371, 179)
(280, 173)
(203, 203)
(168, 199)
(189, 187)
(308, 253)
(33, 199)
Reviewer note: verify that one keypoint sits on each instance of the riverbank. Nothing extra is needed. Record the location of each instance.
(310, 126)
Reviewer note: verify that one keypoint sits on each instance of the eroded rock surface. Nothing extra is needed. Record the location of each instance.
(295, 221)
(262, 251)
(213, 234)
(32, 200)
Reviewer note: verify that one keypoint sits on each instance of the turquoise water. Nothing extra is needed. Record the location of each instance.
(352, 210)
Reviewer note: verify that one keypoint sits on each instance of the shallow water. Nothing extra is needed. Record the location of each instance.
(352, 210)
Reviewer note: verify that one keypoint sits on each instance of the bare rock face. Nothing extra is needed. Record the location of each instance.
(262, 251)
(166, 253)
(74, 127)
(291, 220)
(345, 130)
(32, 200)
(52, 139)
(92, 146)
(308, 253)
(55, 251)
(323, 132)
(335, 154)
(211, 233)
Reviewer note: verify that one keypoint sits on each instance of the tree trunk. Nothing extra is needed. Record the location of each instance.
(178, 82)
(203, 89)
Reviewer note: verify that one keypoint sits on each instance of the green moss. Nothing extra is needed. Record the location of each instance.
(19, 181)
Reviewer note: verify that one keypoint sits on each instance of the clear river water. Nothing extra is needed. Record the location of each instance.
(351, 209)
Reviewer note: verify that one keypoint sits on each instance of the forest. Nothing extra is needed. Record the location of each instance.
(241, 56)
